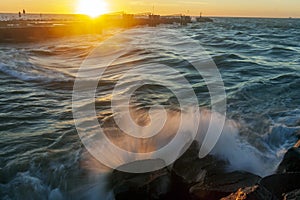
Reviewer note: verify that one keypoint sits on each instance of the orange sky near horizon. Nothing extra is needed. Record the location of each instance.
(253, 8)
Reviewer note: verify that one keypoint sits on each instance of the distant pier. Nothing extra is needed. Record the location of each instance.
(38, 30)
(20, 30)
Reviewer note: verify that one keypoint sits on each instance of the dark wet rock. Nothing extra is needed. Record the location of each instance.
(291, 160)
(161, 184)
(191, 178)
(297, 145)
(293, 195)
(171, 182)
(191, 169)
(279, 184)
(255, 192)
(221, 185)
(187, 167)
(151, 185)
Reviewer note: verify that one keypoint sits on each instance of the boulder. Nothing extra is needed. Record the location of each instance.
(293, 195)
(280, 184)
(255, 192)
(291, 160)
(173, 182)
(283, 185)
(191, 169)
(221, 185)
(272, 187)
(150, 185)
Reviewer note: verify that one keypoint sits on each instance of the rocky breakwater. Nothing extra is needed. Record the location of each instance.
(33, 31)
(284, 184)
(191, 178)
(188, 178)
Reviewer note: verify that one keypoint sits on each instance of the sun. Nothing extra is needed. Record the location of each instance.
(92, 8)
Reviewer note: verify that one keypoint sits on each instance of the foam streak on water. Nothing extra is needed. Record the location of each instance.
(40, 151)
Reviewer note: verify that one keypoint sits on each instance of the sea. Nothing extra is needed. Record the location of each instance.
(42, 156)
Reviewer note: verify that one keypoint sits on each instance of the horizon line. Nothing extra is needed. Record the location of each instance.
(216, 16)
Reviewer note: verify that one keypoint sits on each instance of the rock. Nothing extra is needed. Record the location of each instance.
(160, 184)
(151, 185)
(293, 195)
(297, 145)
(187, 167)
(279, 184)
(191, 169)
(173, 182)
(291, 160)
(251, 193)
(221, 185)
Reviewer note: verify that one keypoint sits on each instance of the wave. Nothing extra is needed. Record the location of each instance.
(281, 49)
(272, 36)
(231, 146)
(40, 52)
(31, 73)
(285, 78)
(223, 57)
(28, 187)
(227, 44)
(258, 131)
(62, 51)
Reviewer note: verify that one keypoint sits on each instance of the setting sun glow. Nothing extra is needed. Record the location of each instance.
(92, 8)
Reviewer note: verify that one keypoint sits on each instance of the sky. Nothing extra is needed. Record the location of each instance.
(248, 8)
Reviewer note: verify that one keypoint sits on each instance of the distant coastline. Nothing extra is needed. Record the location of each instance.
(65, 16)
(36, 27)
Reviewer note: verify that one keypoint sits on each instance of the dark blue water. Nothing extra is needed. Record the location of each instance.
(41, 155)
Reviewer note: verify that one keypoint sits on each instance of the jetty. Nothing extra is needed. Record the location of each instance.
(203, 19)
(22, 30)
(26, 31)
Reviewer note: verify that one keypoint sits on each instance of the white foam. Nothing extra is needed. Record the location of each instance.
(240, 154)
(27, 72)
(231, 147)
